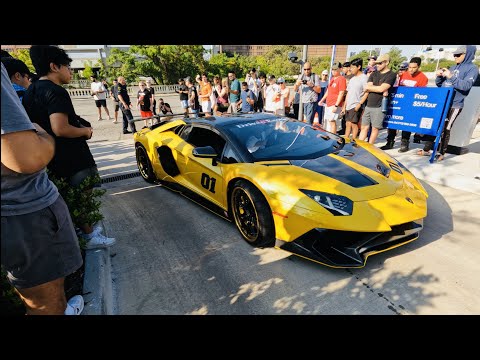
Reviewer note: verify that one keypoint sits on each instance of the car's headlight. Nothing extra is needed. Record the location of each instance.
(338, 205)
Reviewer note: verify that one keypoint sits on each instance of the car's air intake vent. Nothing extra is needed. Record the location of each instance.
(120, 177)
(395, 167)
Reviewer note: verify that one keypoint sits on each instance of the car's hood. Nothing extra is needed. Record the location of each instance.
(353, 172)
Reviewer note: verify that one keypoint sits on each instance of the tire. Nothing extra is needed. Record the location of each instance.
(252, 214)
(144, 165)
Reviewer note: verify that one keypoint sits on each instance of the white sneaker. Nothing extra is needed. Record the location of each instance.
(97, 228)
(75, 305)
(99, 241)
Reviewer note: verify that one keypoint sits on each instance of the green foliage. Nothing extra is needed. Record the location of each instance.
(432, 65)
(276, 60)
(165, 63)
(320, 63)
(24, 55)
(364, 54)
(102, 74)
(82, 203)
(396, 58)
(87, 72)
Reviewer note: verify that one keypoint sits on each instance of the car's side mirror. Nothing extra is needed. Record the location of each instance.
(205, 152)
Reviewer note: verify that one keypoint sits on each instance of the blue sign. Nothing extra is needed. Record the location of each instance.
(418, 109)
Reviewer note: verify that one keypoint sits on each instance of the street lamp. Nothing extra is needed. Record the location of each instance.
(438, 55)
(292, 56)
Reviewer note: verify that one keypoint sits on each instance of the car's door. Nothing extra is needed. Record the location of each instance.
(202, 175)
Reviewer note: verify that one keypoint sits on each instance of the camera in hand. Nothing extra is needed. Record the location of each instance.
(304, 82)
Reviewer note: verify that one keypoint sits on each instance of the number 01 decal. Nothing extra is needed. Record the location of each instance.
(208, 182)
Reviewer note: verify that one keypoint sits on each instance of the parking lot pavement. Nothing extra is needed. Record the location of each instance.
(174, 257)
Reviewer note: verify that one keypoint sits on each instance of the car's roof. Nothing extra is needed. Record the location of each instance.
(232, 119)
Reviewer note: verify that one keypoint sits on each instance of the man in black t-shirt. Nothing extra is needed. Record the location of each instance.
(192, 97)
(150, 88)
(380, 83)
(183, 91)
(48, 104)
(125, 104)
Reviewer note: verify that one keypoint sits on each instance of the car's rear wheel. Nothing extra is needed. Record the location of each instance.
(144, 164)
(252, 214)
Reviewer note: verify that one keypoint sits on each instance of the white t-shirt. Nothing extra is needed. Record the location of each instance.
(270, 94)
(251, 85)
(98, 86)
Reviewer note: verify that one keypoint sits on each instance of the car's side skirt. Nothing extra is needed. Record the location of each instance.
(197, 199)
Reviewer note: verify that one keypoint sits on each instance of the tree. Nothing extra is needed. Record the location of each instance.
(364, 55)
(320, 63)
(24, 55)
(396, 58)
(87, 71)
(165, 63)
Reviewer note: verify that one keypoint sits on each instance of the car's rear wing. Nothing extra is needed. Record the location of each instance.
(167, 117)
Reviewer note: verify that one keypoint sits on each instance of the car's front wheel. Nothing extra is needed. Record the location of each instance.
(252, 214)
(144, 164)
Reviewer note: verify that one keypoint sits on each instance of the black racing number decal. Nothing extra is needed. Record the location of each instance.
(208, 182)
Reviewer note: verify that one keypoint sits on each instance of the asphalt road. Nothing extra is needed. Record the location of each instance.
(174, 257)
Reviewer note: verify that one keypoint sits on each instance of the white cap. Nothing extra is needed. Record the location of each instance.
(325, 72)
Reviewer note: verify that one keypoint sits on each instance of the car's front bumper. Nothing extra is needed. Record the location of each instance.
(349, 249)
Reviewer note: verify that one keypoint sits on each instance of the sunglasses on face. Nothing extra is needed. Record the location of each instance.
(457, 55)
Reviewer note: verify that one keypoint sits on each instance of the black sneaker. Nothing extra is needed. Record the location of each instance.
(404, 147)
(388, 145)
(127, 132)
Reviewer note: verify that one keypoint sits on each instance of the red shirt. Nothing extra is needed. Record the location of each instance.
(334, 87)
(418, 80)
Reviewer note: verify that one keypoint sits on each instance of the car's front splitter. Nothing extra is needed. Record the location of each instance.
(349, 249)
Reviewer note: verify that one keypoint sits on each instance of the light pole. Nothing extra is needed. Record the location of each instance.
(300, 104)
(292, 56)
(438, 55)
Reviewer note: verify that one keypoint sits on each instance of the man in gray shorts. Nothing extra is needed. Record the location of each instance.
(380, 83)
(39, 245)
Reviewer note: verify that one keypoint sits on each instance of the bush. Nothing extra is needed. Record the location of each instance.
(82, 204)
(84, 209)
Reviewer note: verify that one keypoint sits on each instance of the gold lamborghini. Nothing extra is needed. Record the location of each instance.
(288, 185)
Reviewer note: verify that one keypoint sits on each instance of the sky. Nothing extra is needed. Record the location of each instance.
(407, 50)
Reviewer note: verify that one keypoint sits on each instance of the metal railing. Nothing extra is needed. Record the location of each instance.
(132, 91)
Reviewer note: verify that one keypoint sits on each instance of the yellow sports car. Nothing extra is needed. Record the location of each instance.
(287, 184)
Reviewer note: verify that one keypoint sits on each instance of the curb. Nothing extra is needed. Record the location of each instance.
(97, 283)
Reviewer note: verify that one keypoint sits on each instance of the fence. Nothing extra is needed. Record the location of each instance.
(132, 91)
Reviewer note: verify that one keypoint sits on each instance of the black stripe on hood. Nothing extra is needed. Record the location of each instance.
(337, 170)
(359, 155)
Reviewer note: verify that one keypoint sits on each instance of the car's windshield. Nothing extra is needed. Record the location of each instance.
(284, 139)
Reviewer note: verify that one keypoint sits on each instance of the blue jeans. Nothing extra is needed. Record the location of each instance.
(309, 111)
(194, 112)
